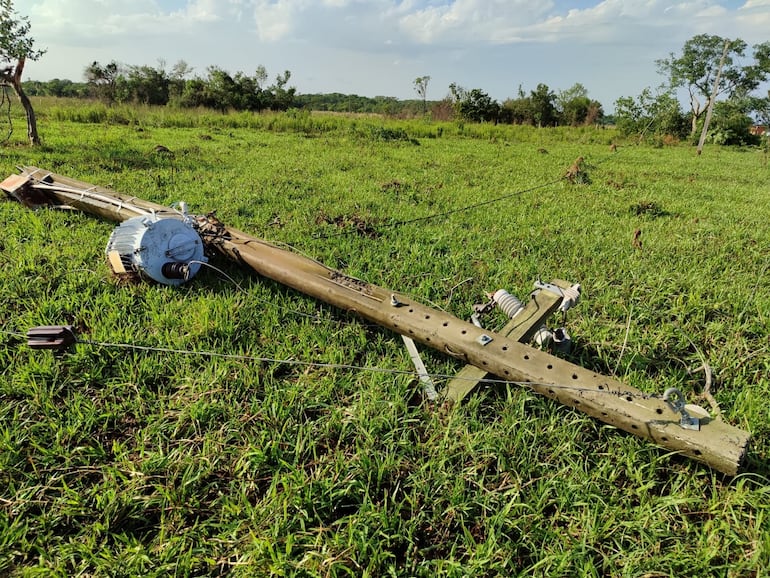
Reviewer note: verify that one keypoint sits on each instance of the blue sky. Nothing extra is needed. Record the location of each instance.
(378, 47)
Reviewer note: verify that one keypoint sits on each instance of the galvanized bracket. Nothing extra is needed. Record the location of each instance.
(428, 387)
(540, 306)
(675, 399)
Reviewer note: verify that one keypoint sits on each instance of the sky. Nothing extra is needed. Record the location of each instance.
(379, 47)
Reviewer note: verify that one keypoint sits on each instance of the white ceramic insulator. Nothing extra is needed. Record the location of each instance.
(543, 336)
(510, 304)
(571, 297)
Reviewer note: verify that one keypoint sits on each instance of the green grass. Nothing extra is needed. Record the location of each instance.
(127, 462)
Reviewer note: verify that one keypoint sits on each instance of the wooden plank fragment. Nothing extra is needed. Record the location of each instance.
(20, 188)
(13, 183)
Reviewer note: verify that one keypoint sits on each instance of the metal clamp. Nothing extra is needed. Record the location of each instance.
(480, 309)
(675, 399)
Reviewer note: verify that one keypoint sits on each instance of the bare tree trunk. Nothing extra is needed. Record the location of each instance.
(14, 80)
(712, 98)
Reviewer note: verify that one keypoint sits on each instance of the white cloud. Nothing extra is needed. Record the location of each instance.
(203, 11)
(755, 15)
(274, 20)
(510, 22)
(96, 19)
(471, 19)
(377, 23)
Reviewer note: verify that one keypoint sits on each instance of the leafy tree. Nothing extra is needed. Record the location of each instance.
(179, 72)
(282, 97)
(543, 106)
(193, 94)
(103, 80)
(518, 110)
(457, 93)
(696, 70)
(474, 105)
(16, 47)
(650, 114)
(576, 108)
(222, 91)
(421, 86)
(731, 123)
(148, 85)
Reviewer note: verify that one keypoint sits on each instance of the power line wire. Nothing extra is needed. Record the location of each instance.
(466, 208)
(341, 366)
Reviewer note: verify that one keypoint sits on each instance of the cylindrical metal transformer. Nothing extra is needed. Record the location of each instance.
(167, 250)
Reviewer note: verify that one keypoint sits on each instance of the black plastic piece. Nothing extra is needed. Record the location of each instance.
(51, 337)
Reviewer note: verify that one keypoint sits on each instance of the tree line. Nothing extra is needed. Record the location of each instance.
(708, 68)
(542, 107)
(217, 88)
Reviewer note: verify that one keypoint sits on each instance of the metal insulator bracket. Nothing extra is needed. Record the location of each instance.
(570, 296)
(481, 309)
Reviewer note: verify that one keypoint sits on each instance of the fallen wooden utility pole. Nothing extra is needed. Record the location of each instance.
(664, 420)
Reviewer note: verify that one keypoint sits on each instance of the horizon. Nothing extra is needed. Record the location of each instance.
(378, 48)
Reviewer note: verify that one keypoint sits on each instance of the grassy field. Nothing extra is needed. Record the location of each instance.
(150, 462)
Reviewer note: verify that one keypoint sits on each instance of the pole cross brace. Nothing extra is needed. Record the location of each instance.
(540, 306)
